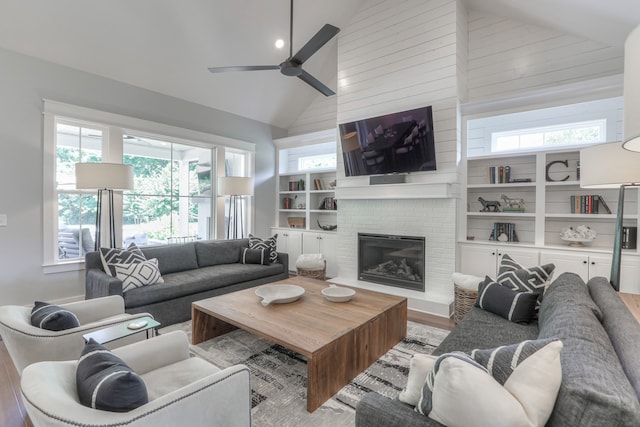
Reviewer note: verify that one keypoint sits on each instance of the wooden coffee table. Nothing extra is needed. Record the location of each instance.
(339, 340)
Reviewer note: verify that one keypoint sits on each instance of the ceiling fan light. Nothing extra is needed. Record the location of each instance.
(279, 44)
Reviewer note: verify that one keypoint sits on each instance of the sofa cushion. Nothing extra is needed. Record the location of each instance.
(112, 256)
(419, 367)
(52, 317)
(518, 307)
(482, 329)
(105, 382)
(504, 386)
(198, 280)
(214, 252)
(594, 389)
(173, 258)
(138, 274)
(269, 243)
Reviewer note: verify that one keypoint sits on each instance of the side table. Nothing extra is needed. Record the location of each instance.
(122, 330)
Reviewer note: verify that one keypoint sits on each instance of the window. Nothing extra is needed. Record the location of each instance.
(236, 163)
(173, 198)
(321, 161)
(566, 134)
(75, 142)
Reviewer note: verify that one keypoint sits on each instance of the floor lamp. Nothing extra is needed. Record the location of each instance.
(610, 166)
(104, 177)
(235, 187)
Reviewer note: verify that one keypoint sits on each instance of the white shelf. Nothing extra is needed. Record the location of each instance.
(502, 214)
(505, 185)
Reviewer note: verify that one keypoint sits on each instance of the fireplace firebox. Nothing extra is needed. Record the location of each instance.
(391, 260)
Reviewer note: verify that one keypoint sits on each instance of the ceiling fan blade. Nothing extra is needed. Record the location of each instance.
(244, 68)
(315, 83)
(325, 34)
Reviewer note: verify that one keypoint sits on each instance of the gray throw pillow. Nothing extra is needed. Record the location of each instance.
(52, 317)
(104, 381)
(518, 307)
(254, 256)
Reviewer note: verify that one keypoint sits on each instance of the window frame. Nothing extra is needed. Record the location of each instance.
(117, 125)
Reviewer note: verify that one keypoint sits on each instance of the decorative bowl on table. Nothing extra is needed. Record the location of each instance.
(338, 294)
(279, 294)
(576, 241)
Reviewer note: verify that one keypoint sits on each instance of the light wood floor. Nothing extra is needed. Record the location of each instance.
(13, 414)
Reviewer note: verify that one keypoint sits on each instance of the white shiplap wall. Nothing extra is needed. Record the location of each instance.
(318, 116)
(398, 55)
(507, 57)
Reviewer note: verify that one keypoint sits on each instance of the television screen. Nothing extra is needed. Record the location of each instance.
(394, 143)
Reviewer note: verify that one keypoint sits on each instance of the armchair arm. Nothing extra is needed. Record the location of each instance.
(100, 284)
(95, 309)
(149, 355)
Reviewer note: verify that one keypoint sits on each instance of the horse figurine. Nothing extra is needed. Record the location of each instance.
(512, 203)
(489, 205)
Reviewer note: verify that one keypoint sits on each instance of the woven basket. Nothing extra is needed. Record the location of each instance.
(313, 274)
(463, 300)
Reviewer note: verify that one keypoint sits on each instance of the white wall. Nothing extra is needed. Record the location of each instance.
(25, 82)
(508, 57)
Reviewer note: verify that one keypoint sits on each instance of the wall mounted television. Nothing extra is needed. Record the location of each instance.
(393, 143)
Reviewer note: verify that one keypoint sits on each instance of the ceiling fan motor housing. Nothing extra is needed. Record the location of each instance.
(291, 68)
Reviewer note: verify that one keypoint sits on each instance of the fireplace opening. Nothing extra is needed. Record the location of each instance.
(391, 260)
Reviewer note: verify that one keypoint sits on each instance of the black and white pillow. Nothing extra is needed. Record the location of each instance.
(52, 317)
(518, 307)
(138, 274)
(521, 279)
(104, 381)
(269, 244)
(254, 256)
(112, 256)
(529, 395)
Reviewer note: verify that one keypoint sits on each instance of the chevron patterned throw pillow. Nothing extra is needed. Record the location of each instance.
(113, 256)
(533, 279)
(269, 244)
(138, 274)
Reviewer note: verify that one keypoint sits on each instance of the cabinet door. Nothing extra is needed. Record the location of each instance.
(291, 243)
(567, 262)
(325, 244)
(478, 260)
(600, 265)
(525, 257)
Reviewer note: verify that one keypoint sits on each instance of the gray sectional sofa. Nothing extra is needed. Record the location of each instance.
(191, 272)
(600, 363)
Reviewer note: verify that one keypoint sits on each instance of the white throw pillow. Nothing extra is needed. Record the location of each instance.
(465, 395)
(467, 281)
(419, 367)
(528, 373)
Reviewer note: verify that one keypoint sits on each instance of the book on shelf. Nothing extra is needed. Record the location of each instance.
(317, 184)
(504, 231)
(588, 204)
(499, 174)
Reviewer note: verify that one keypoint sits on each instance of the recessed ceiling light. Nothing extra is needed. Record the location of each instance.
(279, 43)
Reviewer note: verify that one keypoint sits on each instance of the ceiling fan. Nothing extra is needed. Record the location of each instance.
(292, 66)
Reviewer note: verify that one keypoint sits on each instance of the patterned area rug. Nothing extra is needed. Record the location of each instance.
(279, 381)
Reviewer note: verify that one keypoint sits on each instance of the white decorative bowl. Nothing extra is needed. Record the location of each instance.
(338, 294)
(279, 294)
(576, 241)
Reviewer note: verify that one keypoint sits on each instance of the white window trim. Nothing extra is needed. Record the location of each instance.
(54, 109)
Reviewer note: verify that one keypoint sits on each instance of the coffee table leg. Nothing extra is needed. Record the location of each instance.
(204, 326)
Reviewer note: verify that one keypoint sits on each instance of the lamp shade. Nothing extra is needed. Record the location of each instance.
(608, 166)
(109, 176)
(631, 135)
(235, 186)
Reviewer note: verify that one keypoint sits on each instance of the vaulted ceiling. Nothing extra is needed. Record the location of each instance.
(166, 45)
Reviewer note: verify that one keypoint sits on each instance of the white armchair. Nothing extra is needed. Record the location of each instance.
(183, 390)
(28, 344)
